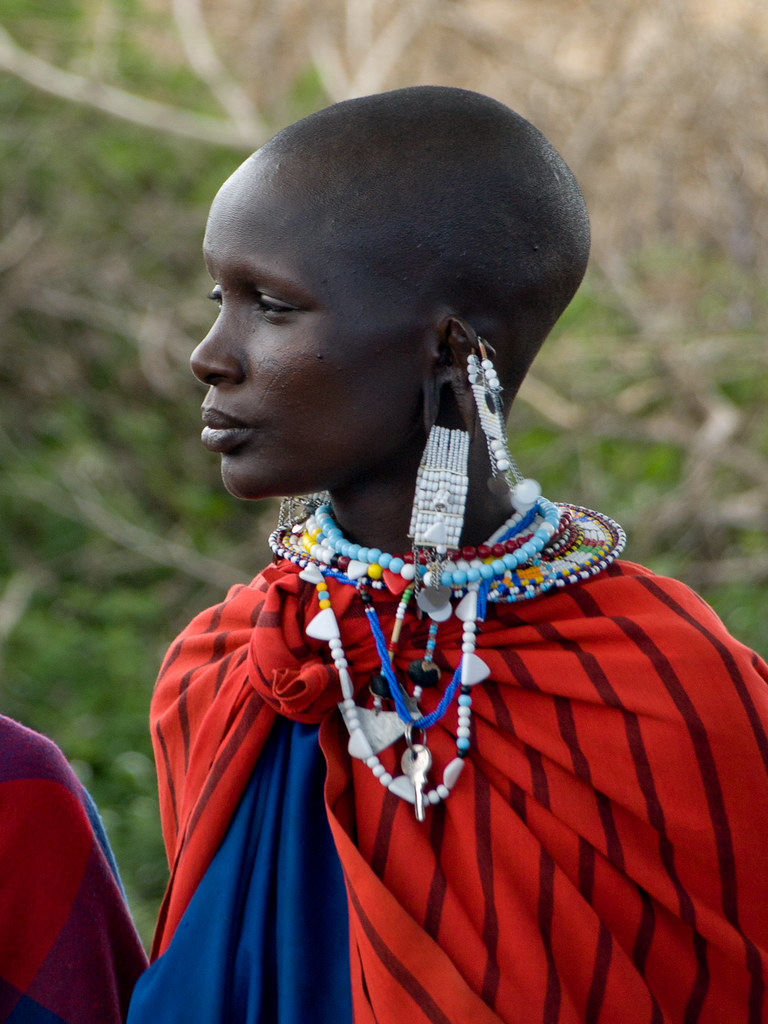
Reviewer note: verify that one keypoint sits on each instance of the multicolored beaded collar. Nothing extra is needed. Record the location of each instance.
(544, 547)
(550, 545)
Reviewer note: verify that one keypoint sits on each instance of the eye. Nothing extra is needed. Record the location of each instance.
(268, 304)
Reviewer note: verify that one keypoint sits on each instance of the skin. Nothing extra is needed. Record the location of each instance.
(337, 343)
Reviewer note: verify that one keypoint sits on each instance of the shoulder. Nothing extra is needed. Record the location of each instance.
(637, 626)
(650, 623)
(26, 754)
(40, 797)
(629, 590)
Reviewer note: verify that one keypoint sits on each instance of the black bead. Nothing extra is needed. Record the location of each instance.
(379, 686)
(424, 673)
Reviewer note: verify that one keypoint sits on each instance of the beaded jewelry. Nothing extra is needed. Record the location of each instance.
(541, 546)
(437, 517)
(486, 389)
(546, 547)
(297, 509)
(551, 545)
(371, 732)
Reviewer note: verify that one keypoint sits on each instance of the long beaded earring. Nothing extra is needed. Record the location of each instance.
(437, 516)
(486, 389)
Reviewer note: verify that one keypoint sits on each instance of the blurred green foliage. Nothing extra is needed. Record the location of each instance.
(115, 528)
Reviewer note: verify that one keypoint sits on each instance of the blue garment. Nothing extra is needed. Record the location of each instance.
(265, 937)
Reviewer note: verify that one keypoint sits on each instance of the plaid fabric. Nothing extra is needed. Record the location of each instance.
(602, 857)
(68, 949)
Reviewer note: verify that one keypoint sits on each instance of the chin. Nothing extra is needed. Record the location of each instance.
(249, 486)
(241, 486)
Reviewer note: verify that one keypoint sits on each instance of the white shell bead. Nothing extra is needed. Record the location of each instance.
(452, 772)
(473, 670)
(403, 787)
(356, 569)
(358, 745)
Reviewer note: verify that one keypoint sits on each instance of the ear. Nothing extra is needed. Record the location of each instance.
(458, 340)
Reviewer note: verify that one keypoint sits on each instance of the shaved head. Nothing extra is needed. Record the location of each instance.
(455, 197)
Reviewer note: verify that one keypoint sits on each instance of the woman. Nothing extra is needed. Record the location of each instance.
(447, 759)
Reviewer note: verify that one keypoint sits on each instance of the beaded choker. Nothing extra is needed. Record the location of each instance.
(548, 546)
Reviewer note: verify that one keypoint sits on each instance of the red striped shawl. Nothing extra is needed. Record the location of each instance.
(603, 857)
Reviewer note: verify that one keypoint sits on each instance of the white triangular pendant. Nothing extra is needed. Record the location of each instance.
(324, 626)
(402, 786)
(356, 569)
(311, 574)
(436, 534)
(466, 609)
(473, 670)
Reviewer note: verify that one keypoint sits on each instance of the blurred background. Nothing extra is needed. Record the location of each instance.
(118, 121)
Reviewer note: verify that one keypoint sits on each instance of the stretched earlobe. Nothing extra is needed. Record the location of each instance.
(431, 403)
(461, 340)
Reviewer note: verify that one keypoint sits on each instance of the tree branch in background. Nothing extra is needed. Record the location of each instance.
(119, 103)
(85, 505)
(204, 60)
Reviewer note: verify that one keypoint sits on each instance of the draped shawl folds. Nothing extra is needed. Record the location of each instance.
(69, 953)
(602, 856)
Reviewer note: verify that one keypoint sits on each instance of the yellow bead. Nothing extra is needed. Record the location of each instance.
(325, 603)
(375, 572)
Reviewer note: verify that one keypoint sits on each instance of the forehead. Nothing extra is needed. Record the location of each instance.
(255, 202)
(298, 213)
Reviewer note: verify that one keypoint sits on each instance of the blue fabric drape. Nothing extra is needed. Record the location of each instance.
(265, 937)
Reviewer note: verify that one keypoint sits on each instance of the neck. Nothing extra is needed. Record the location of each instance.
(377, 513)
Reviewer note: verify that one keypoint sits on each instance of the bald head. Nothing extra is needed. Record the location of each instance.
(452, 197)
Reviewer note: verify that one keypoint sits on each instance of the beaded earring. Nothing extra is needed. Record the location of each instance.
(486, 389)
(437, 516)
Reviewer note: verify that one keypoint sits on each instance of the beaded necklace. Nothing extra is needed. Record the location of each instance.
(545, 547)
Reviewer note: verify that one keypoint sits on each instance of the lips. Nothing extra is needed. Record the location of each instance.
(223, 433)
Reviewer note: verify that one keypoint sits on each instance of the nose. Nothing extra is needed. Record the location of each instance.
(216, 362)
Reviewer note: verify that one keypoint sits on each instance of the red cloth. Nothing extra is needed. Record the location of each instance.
(602, 857)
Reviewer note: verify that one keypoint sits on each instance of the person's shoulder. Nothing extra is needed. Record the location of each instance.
(663, 608)
(26, 754)
(639, 586)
